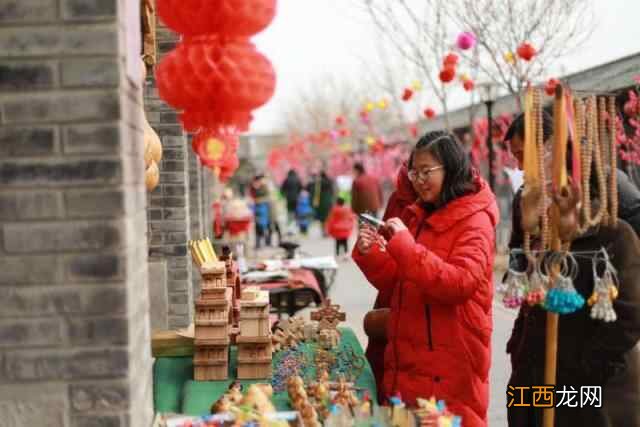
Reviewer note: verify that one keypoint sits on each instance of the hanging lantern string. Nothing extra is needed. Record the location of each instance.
(577, 254)
(586, 92)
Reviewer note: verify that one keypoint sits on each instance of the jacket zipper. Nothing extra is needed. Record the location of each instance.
(427, 310)
(395, 338)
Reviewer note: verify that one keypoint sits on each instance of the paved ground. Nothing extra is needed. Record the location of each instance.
(356, 296)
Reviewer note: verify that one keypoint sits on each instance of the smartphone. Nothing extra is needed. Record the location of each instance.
(371, 220)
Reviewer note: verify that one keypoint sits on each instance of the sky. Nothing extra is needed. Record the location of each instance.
(311, 38)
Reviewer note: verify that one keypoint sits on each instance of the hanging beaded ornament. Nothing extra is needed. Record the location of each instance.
(514, 288)
(605, 290)
(537, 286)
(563, 297)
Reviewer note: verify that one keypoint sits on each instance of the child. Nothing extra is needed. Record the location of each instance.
(304, 211)
(340, 225)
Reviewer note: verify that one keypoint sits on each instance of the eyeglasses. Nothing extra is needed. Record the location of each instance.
(422, 175)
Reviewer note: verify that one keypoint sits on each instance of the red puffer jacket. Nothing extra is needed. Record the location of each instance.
(340, 222)
(441, 272)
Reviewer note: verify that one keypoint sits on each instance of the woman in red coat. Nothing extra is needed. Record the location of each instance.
(438, 265)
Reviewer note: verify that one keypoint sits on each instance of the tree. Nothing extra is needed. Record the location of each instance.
(424, 31)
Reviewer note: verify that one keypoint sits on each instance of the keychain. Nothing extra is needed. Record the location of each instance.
(514, 288)
(563, 298)
(537, 286)
(605, 290)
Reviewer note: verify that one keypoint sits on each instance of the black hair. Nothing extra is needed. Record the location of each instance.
(340, 201)
(444, 147)
(359, 167)
(517, 127)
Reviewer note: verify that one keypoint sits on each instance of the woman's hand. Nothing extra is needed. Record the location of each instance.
(395, 225)
(368, 236)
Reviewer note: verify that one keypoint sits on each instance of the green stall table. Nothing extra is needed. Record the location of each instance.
(175, 391)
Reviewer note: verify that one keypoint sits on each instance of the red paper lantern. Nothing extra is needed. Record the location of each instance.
(231, 18)
(447, 74)
(468, 85)
(215, 84)
(429, 113)
(451, 60)
(407, 94)
(526, 51)
(550, 87)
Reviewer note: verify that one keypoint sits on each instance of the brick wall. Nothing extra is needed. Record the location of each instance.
(195, 207)
(74, 327)
(168, 212)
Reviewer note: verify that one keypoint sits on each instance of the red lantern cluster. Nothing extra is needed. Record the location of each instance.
(550, 87)
(429, 113)
(407, 94)
(526, 51)
(215, 76)
(449, 64)
(468, 85)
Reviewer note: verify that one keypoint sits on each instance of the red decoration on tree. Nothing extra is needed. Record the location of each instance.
(407, 94)
(231, 18)
(340, 120)
(468, 85)
(345, 133)
(447, 74)
(550, 87)
(216, 84)
(451, 60)
(413, 130)
(429, 113)
(526, 51)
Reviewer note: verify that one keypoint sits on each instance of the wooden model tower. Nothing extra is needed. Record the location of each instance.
(254, 341)
(211, 359)
(233, 282)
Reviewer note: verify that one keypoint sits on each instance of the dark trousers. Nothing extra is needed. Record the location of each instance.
(342, 243)
(263, 232)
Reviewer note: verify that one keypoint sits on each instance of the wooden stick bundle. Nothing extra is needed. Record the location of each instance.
(202, 251)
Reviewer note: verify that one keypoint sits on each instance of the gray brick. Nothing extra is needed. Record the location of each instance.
(27, 75)
(103, 397)
(59, 40)
(172, 238)
(44, 301)
(169, 226)
(97, 421)
(60, 172)
(173, 190)
(89, 9)
(95, 203)
(169, 117)
(175, 202)
(178, 263)
(178, 274)
(29, 270)
(178, 309)
(90, 73)
(98, 331)
(65, 364)
(174, 213)
(174, 143)
(176, 322)
(156, 238)
(174, 286)
(175, 250)
(33, 404)
(165, 131)
(29, 333)
(94, 267)
(63, 236)
(154, 214)
(92, 138)
(27, 141)
(172, 154)
(27, 11)
(172, 177)
(62, 107)
(178, 299)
